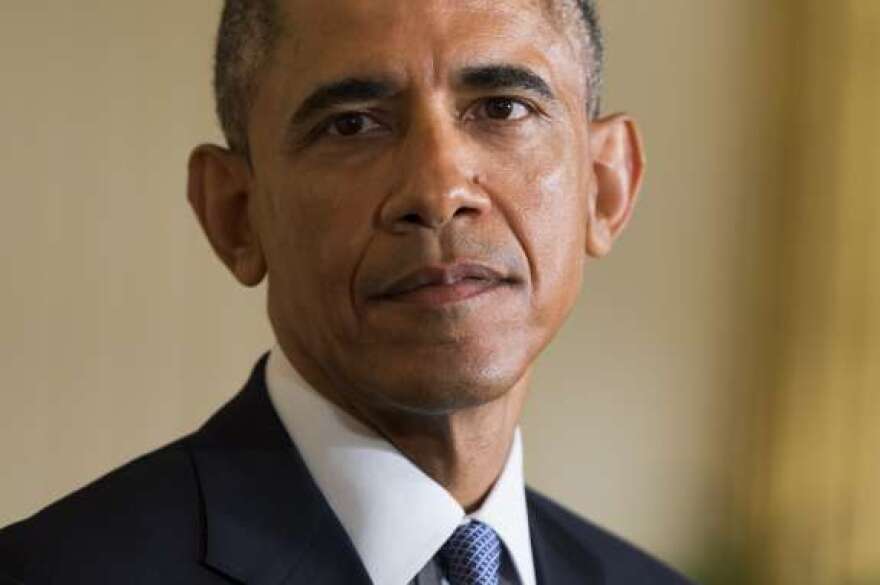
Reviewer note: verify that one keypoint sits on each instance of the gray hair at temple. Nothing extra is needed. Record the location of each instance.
(249, 30)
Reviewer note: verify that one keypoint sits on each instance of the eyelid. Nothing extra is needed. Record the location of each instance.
(324, 127)
(526, 103)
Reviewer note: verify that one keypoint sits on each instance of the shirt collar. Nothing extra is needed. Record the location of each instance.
(396, 516)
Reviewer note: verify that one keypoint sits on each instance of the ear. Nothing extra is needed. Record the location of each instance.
(219, 191)
(618, 166)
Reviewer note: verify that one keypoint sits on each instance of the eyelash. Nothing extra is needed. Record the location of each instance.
(324, 129)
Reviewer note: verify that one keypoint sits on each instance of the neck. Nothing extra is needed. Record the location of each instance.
(464, 450)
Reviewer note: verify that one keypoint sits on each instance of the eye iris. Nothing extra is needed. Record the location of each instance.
(499, 109)
(349, 124)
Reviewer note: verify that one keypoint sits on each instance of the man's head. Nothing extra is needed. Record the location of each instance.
(422, 183)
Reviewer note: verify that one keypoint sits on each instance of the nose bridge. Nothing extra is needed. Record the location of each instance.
(434, 146)
(437, 178)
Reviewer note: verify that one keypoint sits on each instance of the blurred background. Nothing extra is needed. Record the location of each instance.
(715, 397)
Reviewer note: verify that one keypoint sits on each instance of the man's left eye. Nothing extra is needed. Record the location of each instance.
(503, 108)
(352, 124)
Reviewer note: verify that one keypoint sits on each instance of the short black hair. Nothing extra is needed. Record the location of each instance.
(250, 29)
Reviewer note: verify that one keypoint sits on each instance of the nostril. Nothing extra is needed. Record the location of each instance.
(432, 220)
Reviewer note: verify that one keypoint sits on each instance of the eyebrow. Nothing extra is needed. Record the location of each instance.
(359, 89)
(345, 91)
(505, 77)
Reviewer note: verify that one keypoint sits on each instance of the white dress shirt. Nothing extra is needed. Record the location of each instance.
(396, 516)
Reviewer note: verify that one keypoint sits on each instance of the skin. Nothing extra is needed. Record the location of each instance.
(335, 207)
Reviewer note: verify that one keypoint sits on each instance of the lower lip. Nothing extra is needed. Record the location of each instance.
(444, 294)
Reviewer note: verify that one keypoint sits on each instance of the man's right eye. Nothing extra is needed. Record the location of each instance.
(352, 124)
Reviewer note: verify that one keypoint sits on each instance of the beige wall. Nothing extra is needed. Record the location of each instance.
(119, 331)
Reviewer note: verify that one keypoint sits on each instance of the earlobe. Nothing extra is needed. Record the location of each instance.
(218, 190)
(618, 167)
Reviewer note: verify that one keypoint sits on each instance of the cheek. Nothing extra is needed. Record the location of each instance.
(562, 214)
(551, 212)
(323, 227)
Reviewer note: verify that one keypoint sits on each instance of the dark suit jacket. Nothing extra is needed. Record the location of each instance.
(234, 503)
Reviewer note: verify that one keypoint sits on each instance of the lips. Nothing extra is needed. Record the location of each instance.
(439, 284)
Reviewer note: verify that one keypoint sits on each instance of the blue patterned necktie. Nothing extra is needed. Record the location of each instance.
(472, 555)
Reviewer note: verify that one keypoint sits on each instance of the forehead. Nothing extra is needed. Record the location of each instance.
(421, 40)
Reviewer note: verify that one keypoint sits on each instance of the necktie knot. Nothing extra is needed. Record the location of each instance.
(472, 555)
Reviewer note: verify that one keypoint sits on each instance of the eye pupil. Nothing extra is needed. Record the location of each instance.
(349, 124)
(499, 109)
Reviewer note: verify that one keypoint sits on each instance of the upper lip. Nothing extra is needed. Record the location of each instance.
(441, 275)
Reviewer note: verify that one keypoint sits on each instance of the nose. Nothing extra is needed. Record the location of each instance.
(437, 180)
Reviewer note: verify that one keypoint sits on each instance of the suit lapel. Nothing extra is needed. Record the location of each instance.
(265, 520)
(559, 559)
(267, 523)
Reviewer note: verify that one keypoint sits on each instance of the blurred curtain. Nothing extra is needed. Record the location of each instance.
(814, 485)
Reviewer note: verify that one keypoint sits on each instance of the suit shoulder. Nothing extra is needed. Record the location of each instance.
(621, 561)
(145, 505)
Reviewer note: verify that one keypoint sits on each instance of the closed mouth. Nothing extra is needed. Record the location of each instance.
(444, 284)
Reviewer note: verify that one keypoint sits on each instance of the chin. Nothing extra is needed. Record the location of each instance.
(446, 380)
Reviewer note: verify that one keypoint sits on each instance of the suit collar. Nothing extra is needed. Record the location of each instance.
(559, 560)
(265, 521)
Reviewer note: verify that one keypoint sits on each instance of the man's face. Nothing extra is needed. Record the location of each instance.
(421, 176)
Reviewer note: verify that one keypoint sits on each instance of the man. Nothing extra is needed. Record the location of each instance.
(422, 184)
